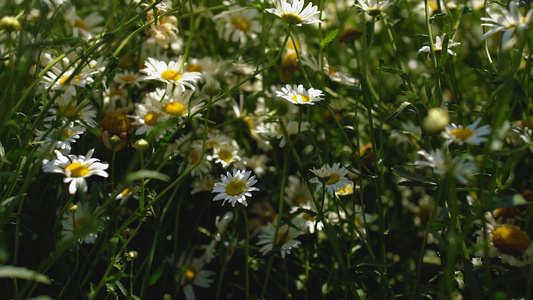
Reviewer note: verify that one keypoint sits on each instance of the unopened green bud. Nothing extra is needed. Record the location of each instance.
(141, 145)
(132, 254)
(73, 208)
(9, 23)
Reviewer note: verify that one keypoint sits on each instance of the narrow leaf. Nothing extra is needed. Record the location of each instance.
(143, 174)
(328, 38)
(23, 273)
(154, 277)
(412, 176)
(398, 111)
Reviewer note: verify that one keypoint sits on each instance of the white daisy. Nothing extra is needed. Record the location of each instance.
(437, 47)
(226, 154)
(171, 73)
(295, 13)
(76, 169)
(85, 27)
(334, 177)
(240, 25)
(373, 7)
(177, 104)
(128, 78)
(285, 239)
(299, 95)
(60, 137)
(235, 187)
(274, 130)
(56, 79)
(191, 273)
(441, 164)
(80, 217)
(69, 110)
(508, 242)
(470, 135)
(501, 19)
(147, 117)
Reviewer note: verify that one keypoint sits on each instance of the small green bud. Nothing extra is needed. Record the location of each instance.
(9, 23)
(141, 145)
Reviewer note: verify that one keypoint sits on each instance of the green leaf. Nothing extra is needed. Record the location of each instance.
(328, 38)
(143, 174)
(412, 176)
(367, 261)
(502, 201)
(23, 273)
(411, 96)
(154, 277)
(398, 111)
(393, 71)
(122, 289)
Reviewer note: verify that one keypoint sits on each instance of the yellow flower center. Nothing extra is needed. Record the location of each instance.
(194, 68)
(171, 75)
(299, 200)
(151, 118)
(235, 188)
(280, 236)
(308, 217)
(225, 155)
(462, 133)
(116, 123)
(291, 18)
(211, 144)
(128, 78)
(510, 240)
(70, 111)
(63, 80)
(80, 24)
(333, 178)
(188, 277)
(304, 98)
(345, 191)
(78, 224)
(194, 156)
(240, 24)
(66, 134)
(127, 191)
(77, 170)
(433, 5)
(175, 109)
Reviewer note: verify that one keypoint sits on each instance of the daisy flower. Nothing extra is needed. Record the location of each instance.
(57, 79)
(76, 169)
(285, 239)
(69, 110)
(373, 7)
(507, 21)
(442, 164)
(470, 135)
(226, 154)
(147, 117)
(240, 25)
(235, 187)
(86, 26)
(274, 130)
(508, 242)
(165, 30)
(128, 78)
(437, 47)
(295, 13)
(60, 137)
(177, 104)
(79, 216)
(296, 193)
(171, 73)
(334, 177)
(299, 95)
(191, 274)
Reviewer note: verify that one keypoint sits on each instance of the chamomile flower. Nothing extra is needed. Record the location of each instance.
(295, 13)
(176, 104)
(69, 110)
(437, 47)
(460, 167)
(506, 20)
(508, 242)
(128, 78)
(470, 135)
(147, 117)
(299, 95)
(76, 169)
(240, 25)
(57, 79)
(165, 30)
(285, 239)
(373, 7)
(85, 27)
(333, 177)
(80, 217)
(191, 273)
(172, 73)
(226, 154)
(235, 187)
(60, 137)
(275, 130)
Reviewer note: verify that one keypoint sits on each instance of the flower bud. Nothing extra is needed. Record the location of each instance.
(141, 145)
(9, 23)
(436, 120)
(132, 254)
(73, 208)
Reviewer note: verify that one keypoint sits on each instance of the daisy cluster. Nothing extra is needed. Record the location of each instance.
(280, 148)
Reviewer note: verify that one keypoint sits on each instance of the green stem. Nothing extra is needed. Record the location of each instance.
(247, 252)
